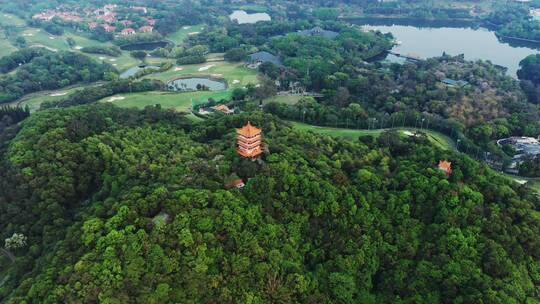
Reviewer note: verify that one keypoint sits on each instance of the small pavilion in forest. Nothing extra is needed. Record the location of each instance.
(446, 167)
(249, 141)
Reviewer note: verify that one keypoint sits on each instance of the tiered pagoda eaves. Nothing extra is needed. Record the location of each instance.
(249, 140)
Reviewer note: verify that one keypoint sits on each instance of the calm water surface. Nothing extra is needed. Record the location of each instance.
(190, 84)
(473, 43)
(243, 17)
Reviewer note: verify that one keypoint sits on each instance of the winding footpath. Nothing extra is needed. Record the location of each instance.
(8, 254)
(11, 257)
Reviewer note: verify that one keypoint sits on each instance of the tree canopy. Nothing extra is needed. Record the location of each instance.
(129, 206)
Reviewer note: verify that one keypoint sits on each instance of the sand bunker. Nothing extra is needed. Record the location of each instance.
(114, 64)
(51, 37)
(520, 181)
(78, 47)
(408, 133)
(236, 81)
(28, 34)
(206, 67)
(176, 69)
(193, 33)
(115, 98)
(186, 27)
(58, 94)
(216, 75)
(112, 59)
(101, 58)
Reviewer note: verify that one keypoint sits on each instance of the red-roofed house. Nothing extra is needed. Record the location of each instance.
(146, 29)
(109, 28)
(106, 18)
(128, 31)
(92, 25)
(126, 22)
(151, 21)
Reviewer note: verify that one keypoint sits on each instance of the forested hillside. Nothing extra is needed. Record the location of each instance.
(45, 70)
(126, 206)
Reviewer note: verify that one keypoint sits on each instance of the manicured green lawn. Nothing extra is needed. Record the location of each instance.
(34, 100)
(39, 37)
(236, 74)
(179, 36)
(438, 139)
(9, 19)
(168, 100)
(6, 47)
(290, 100)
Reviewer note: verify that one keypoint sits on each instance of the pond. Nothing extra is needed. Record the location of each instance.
(196, 84)
(474, 42)
(133, 70)
(144, 46)
(244, 18)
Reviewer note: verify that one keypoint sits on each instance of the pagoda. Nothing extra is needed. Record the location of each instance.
(446, 167)
(249, 139)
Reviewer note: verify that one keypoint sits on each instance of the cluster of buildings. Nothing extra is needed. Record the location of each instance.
(524, 147)
(48, 15)
(104, 17)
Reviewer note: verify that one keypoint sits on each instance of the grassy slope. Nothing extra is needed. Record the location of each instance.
(179, 36)
(228, 71)
(6, 47)
(169, 100)
(10, 19)
(7, 19)
(182, 101)
(436, 138)
(34, 100)
(36, 36)
(290, 100)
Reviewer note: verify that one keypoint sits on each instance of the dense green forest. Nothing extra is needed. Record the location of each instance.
(103, 204)
(47, 70)
(113, 206)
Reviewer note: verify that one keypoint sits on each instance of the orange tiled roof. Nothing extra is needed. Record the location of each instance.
(446, 166)
(249, 130)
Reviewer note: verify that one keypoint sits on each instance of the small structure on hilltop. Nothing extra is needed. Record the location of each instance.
(256, 59)
(446, 167)
(319, 32)
(223, 108)
(249, 141)
(236, 183)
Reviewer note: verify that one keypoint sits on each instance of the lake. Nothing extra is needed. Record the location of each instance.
(190, 84)
(244, 18)
(474, 43)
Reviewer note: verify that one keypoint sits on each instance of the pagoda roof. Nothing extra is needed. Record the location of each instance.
(248, 130)
(445, 166)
